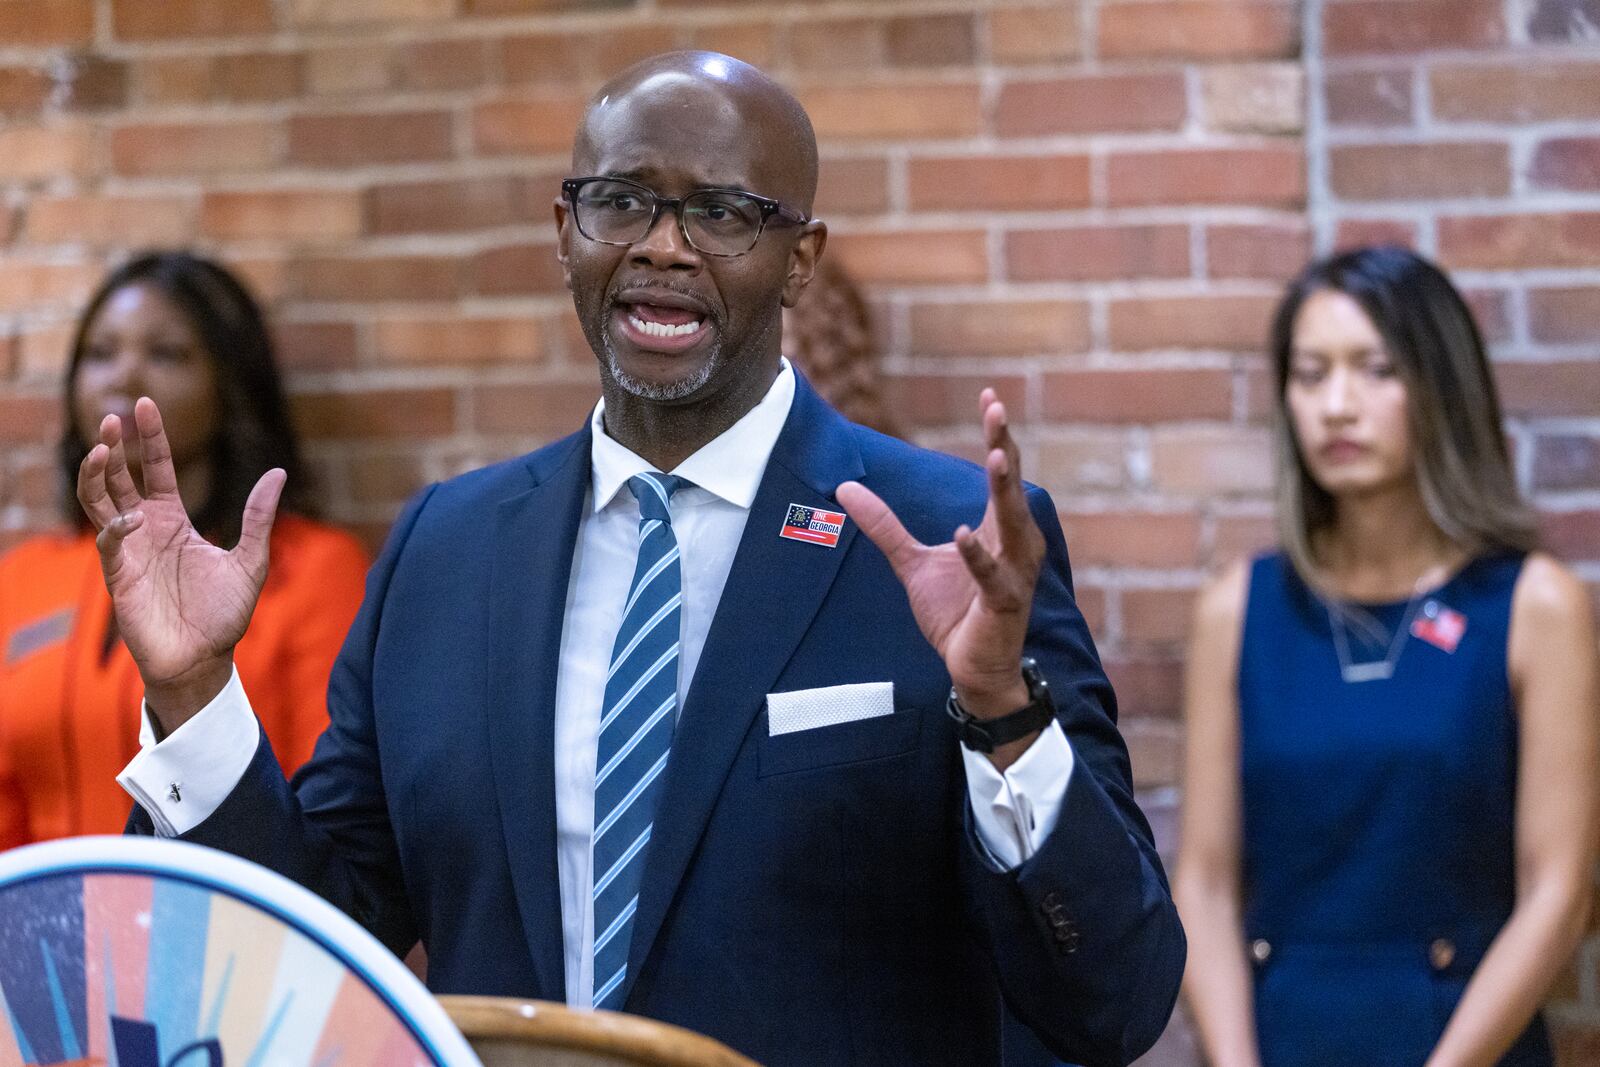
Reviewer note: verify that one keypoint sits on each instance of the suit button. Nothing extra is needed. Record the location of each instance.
(1261, 950)
(1059, 920)
(1051, 903)
(1442, 953)
(1067, 938)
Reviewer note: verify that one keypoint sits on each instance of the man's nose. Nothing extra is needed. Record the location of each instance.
(664, 247)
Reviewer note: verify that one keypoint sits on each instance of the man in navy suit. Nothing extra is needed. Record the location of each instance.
(874, 790)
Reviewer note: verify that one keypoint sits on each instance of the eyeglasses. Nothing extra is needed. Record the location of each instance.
(715, 222)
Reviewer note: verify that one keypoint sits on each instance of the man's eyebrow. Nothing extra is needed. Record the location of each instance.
(643, 175)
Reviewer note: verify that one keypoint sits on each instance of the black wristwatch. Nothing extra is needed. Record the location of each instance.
(986, 735)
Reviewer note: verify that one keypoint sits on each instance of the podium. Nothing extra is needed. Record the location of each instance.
(506, 1032)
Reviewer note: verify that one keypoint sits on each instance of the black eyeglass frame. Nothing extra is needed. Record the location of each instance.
(769, 207)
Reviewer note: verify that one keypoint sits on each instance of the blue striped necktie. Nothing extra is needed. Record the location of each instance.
(636, 725)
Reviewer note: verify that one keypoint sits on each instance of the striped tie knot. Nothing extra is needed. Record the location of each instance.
(653, 490)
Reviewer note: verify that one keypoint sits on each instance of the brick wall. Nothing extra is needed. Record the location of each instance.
(1091, 204)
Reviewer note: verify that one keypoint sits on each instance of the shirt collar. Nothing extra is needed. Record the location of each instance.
(729, 466)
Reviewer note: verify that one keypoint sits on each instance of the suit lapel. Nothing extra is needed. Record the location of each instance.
(535, 533)
(773, 592)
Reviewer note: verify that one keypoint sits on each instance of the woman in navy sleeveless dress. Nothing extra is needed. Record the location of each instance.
(1393, 760)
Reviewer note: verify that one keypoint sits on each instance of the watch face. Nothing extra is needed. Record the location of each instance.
(147, 953)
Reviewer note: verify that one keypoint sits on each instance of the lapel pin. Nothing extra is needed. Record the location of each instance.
(813, 525)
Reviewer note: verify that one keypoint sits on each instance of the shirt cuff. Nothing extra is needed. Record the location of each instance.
(1015, 812)
(182, 779)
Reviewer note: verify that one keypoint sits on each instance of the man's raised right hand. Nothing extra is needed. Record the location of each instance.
(181, 603)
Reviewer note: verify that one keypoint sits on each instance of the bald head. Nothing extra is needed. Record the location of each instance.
(726, 101)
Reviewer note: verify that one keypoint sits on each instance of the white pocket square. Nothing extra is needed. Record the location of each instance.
(808, 709)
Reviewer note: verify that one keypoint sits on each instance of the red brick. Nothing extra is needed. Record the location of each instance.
(346, 12)
(408, 414)
(619, 47)
(173, 79)
(1275, 252)
(1549, 390)
(1199, 29)
(313, 346)
(547, 58)
(539, 409)
(194, 148)
(29, 418)
(1571, 535)
(136, 20)
(45, 151)
(1155, 751)
(1520, 241)
(1146, 688)
(110, 220)
(1370, 98)
(1035, 34)
(1236, 323)
(454, 339)
(1408, 26)
(348, 70)
(1092, 103)
(526, 124)
(930, 40)
(999, 183)
(31, 484)
(1237, 537)
(935, 109)
(852, 186)
(952, 399)
(364, 278)
(1133, 539)
(46, 22)
(1064, 466)
(351, 138)
(282, 214)
(749, 41)
(444, 64)
(1267, 176)
(93, 83)
(1419, 171)
(1138, 396)
(23, 89)
(25, 285)
(1530, 92)
(920, 256)
(1003, 328)
(1360, 233)
(1156, 616)
(1091, 602)
(42, 352)
(517, 7)
(430, 207)
(1254, 98)
(386, 478)
(836, 44)
(1212, 462)
(516, 270)
(1097, 253)
(261, 78)
(1491, 309)
(1564, 316)
(1566, 462)
(1567, 163)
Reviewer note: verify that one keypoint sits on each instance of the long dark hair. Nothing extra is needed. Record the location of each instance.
(1463, 469)
(253, 429)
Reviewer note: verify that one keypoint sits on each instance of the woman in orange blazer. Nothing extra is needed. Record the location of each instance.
(184, 332)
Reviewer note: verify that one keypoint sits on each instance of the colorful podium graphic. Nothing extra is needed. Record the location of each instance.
(133, 952)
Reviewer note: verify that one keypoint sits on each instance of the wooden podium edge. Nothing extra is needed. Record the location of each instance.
(554, 1025)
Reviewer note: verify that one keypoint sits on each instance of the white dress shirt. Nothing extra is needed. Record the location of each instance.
(183, 779)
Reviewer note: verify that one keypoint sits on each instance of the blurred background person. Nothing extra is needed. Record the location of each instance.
(1391, 776)
(183, 331)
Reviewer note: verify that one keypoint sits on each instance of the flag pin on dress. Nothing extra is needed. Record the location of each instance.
(1440, 626)
(812, 524)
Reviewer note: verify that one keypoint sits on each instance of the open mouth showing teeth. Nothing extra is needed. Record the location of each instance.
(662, 329)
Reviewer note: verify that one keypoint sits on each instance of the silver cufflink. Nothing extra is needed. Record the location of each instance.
(173, 794)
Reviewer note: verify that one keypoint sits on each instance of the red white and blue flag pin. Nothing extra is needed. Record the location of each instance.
(812, 524)
(1440, 626)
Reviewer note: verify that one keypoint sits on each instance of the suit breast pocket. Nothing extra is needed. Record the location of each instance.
(834, 726)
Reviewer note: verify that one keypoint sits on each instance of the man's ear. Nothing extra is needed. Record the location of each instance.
(803, 260)
(563, 239)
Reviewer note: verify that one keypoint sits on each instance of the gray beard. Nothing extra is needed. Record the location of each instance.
(670, 391)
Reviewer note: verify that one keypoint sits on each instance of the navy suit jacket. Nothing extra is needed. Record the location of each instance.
(812, 898)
